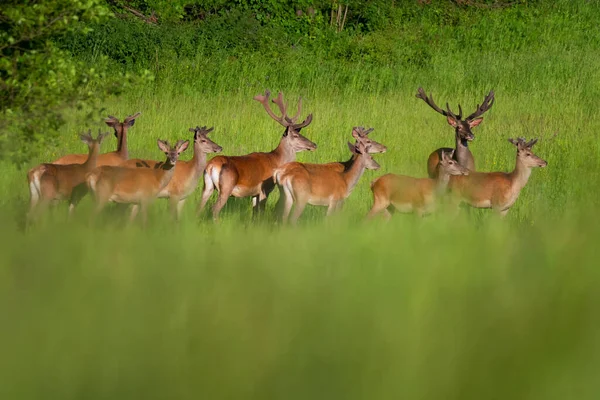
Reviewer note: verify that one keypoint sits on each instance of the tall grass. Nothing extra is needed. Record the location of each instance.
(466, 308)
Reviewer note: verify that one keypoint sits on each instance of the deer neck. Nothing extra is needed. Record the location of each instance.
(348, 164)
(165, 173)
(198, 160)
(463, 154)
(122, 145)
(92, 159)
(353, 174)
(284, 153)
(441, 181)
(520, 175)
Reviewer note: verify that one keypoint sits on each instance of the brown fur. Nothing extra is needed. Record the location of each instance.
(462, 132)
(50, 182)
(251, 175)
(498, 190)
(111, 158)
(186, 176)
(408, 194)
(299, 185)
(138, 186)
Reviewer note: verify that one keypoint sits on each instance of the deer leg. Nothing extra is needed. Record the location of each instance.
(227, 180)
(333, 205)
(266, 189)
(281, 204)
(300, 204)
(180, 205)
(288, 200)
(135, 208)
(77, 194)
(208, 190)
(379, 204)
(144, 210)
(503, 213)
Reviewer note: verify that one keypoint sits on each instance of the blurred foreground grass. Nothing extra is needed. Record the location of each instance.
(424, 309)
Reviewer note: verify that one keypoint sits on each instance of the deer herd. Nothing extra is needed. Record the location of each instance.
(114, 177)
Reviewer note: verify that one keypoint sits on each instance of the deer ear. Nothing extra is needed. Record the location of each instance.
(129, 121)
(163, 146)
(352, 148)
(473, 123)
(355, 133)
(111, 121)
(513, 141)
(87, 137)
(181, 147)
(452, 121)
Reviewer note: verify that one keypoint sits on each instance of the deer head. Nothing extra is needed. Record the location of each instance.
(201, 139)
(461, 126)
(525, 155)
(450, 166)
(90, 141)
(292, 129)
(121, 127)
(173, 152)
(363, 149)
(361, 134)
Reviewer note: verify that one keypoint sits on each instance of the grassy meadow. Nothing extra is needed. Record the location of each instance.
(469, 308)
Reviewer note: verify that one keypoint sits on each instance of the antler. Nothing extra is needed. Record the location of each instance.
(284, 120)
(488, 102)
(131, 117)
(429, 100)
(264, 100)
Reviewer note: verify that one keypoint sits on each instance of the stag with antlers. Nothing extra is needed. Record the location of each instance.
(462, 131)
(251, 175)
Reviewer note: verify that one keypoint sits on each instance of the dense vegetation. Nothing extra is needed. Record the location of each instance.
(465, 308)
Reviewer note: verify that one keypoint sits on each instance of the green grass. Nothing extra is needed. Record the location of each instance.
(475, 308)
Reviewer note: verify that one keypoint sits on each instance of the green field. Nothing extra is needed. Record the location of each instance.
(473, 307)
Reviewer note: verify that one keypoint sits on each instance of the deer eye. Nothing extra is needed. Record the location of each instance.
(203, 140)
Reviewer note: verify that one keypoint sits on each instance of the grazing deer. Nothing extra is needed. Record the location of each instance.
(498, 190)
(137, 186)
(462, 132)
(407, 194)
(114, 157)
(252, 174)
(187, 173)
(49, 182)
(320, 187)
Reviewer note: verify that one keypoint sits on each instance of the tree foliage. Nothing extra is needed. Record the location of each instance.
(39, 82)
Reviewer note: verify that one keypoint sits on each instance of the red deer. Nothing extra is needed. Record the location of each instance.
(137, 186)
(114, 157)
(187, 173)
(49, 182)
(320, 187)
(462, 132)
(407, 194)
(498, 190)
(252, 174)
(359, 133)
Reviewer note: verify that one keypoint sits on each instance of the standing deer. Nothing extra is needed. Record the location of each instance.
(360, 134)
(462, 132)
(49, 182)
(320, 187)
(407, 194)
(114, 157)
(498, 190)
(137, 186)
(252, 174)
(187, 173)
